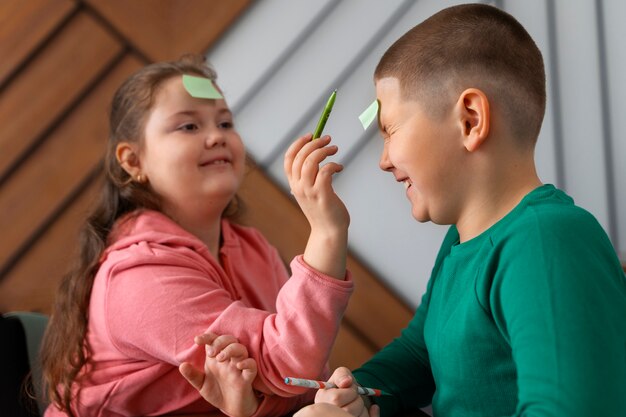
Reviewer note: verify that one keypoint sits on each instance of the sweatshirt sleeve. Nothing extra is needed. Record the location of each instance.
(387, 370)
(561, 305)
(403, 368)
(296, 341)
(156, 304)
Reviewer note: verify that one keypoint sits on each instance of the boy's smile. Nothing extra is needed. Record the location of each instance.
(419, 151)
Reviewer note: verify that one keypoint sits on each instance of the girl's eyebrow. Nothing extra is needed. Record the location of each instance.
(184, 113)
(220, 111)
(224, 110)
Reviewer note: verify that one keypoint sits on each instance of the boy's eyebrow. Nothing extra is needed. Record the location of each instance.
(381, 127)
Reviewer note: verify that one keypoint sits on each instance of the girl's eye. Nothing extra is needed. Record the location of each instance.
(188, 127)
(226, 125)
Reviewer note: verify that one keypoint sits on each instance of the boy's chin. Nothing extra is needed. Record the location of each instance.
(421, 215)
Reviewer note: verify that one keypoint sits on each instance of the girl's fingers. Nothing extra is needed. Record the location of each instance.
(191, 374)
(303, 155)
(205, 338)
(248, 369)
(327, 171)
(248, 376)
(292, 151)
(312, 164)
(247, 364)
(221, 342)
(233, 351)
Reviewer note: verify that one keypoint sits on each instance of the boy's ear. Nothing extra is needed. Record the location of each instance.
(128, 158)
(474, 118)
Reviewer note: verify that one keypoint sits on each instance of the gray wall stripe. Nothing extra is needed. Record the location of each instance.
(607, 127)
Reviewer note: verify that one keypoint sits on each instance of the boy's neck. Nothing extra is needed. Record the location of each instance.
(505, 185)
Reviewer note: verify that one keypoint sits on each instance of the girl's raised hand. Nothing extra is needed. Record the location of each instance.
(311, 185)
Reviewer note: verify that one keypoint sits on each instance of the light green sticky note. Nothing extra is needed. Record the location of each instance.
(369, 115)
(200, 87)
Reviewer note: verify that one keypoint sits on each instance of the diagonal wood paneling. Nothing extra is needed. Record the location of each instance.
(40, 94)
(165, 29)
(58, 166)
(26, 24)
(27, 287)
(349, 349)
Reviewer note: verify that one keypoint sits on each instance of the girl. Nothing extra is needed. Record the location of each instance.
(161, 261)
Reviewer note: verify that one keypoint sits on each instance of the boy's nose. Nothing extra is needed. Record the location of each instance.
(384, 162)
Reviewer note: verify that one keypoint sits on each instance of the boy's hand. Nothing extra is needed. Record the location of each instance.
(330, 410)
(345, 396)
(226, 382)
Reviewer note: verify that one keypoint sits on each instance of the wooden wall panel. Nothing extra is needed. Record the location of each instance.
(27, 287)
(57, 76)
(165, 29)
(24, 25)
(349, 350)
(59, 165)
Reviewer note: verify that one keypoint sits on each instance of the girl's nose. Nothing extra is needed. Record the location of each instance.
(215, 137)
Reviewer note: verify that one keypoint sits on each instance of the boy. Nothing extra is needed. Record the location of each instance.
(524, 311)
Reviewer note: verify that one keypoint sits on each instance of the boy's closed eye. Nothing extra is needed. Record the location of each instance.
(386, 132)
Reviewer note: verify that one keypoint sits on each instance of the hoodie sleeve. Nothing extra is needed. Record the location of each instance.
(159, 298)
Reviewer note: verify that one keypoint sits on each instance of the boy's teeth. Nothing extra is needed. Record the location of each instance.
(406, 184)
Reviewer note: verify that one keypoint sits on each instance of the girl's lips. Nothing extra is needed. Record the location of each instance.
(215, 161)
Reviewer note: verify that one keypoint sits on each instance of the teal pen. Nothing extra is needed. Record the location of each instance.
(324, 117)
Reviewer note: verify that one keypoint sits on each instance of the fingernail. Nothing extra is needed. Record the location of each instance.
(209, 351)
(345, 380)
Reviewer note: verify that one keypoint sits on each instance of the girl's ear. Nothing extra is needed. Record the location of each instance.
(474, 118)
(128, 158)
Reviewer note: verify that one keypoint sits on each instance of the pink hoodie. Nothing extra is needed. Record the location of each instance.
(158, 287)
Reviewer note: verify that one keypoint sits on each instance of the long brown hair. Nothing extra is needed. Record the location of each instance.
(65, 349)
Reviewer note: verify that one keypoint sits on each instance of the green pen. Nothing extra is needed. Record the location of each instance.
(324, 117)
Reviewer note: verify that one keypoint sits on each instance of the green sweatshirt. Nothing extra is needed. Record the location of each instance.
(526, 319)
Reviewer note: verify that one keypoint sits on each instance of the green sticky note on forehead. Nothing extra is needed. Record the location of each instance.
(200, 87)
(369, 115)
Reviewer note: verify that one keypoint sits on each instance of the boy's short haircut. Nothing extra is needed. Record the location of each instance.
(472, 45)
